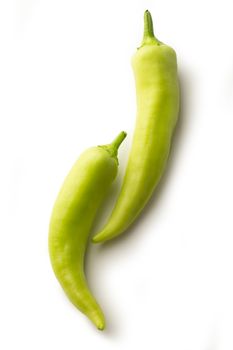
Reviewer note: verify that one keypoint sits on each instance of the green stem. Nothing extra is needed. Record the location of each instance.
(112, 148)
(148, 35)
(118, 140)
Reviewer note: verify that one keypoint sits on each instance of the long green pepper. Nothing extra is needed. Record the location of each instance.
(71, 221)
(157, 90)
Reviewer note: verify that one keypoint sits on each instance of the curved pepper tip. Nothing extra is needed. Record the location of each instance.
(96, 239)
(98, 319)
(101, 327)
(99, 237)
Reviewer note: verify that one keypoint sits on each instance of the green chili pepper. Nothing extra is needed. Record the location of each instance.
(71, 221)
(157, 89)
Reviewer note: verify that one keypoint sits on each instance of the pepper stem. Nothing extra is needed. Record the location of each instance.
(118, 140)
(148, 35)
(112, 148)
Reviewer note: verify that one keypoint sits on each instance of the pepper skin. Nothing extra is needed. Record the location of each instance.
(71, 221)
(157, 90)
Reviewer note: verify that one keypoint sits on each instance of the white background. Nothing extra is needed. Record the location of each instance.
(66, 84)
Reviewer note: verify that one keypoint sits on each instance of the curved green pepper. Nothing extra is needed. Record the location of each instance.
(71, 221)
(157, 89)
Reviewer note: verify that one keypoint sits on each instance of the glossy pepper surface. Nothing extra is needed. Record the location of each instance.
(72, 217)
(157, 90)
